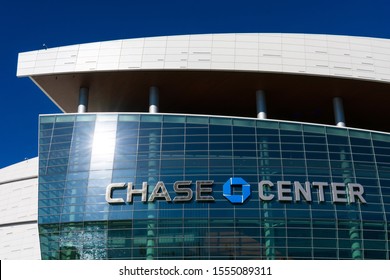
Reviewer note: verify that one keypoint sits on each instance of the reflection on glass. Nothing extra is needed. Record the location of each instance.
(77, 164)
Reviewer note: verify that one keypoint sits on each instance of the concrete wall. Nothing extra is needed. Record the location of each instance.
(19, 237)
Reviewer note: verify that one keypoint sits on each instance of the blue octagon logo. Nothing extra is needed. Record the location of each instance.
(235, 198)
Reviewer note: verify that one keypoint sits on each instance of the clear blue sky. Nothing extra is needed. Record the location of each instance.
(25, 25)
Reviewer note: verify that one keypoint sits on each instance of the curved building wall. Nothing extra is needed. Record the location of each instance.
(81, 155)
(18, 207)
(327, 55)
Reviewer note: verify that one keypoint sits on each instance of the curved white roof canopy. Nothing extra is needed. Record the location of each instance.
(219, 74)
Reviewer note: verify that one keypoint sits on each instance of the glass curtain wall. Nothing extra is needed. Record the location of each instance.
(80, 155)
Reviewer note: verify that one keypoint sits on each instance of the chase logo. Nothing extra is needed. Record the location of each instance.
(236, 182)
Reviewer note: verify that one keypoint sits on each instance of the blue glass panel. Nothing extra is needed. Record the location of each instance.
(152, 148)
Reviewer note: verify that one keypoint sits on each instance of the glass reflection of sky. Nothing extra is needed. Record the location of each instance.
(103, 145)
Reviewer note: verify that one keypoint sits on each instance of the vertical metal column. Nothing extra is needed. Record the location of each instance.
(152, 177)
(269, 234)
(354, 225)
(153, 167)
(354, 236)
(153, 100)
(261, 105)
(338, 111)
(83, 100)
(268, 223)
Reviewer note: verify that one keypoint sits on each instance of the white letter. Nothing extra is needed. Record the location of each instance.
(299, 190)
(156, 194)
(131, 191)
(358, 193)
(262, 196)
(282, 191)
(337, 194)
(178, 188)
(109, 191)
(200, 190)
(320, 186)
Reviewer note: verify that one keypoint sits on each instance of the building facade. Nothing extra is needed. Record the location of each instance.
(19, 237)
(254, 146)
